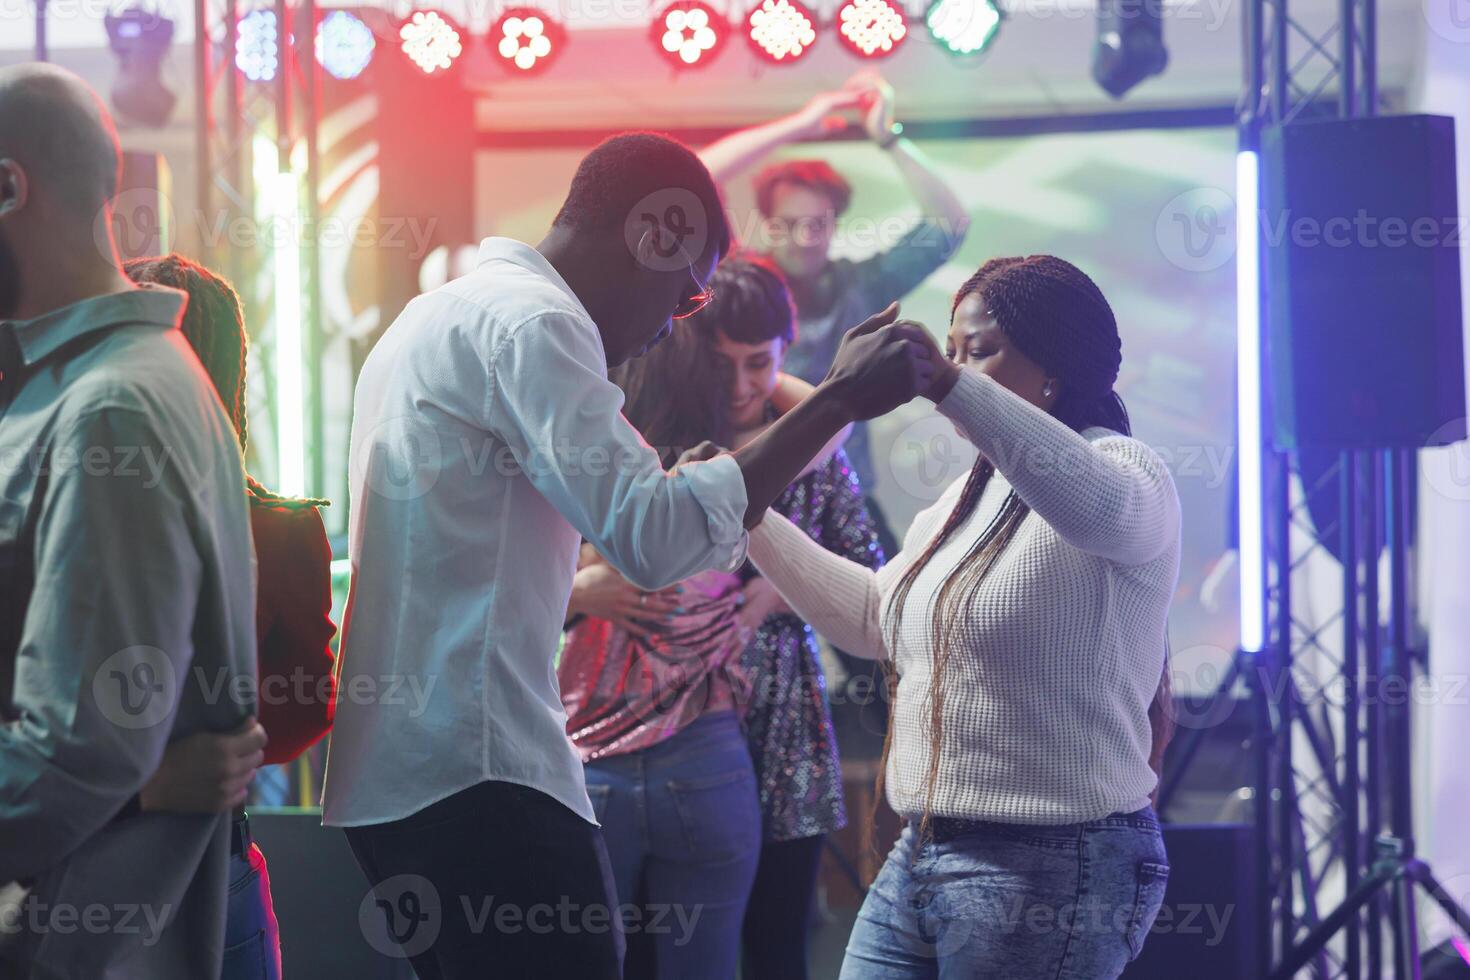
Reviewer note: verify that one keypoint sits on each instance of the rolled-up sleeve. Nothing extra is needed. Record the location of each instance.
(552, 404)
(106, 642)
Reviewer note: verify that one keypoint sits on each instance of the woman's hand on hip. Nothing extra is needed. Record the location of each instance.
(600, 591)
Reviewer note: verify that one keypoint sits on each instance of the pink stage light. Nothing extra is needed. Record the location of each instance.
(430, 40)
(871, 28)
(526, 40)
(781, 31)
(689, 33)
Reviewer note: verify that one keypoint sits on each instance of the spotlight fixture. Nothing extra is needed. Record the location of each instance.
(963, 26)
(871, 28)
(526, 40)
(430, 40)
(689, 33)
(256, 42)
(1130, 44)
(344, 45)
(781, 31)
(140, 38)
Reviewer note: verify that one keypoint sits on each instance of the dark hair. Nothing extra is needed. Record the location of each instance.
(58, 138)
(815, 174)
(752, 303)
(214, 325)
(674, 394)
(1058, 317)
(620, 172)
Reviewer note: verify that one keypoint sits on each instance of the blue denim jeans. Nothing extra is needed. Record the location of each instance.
(682, 824)
(1013, 903)
(252, 938)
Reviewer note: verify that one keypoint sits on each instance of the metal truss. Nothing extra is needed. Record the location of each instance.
(1318, 787)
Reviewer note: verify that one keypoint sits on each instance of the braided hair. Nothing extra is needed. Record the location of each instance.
(1057, 317)
(214, 325)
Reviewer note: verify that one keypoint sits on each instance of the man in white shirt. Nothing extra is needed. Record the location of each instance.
(487, 443)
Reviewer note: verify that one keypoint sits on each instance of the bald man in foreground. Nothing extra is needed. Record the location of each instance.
(126, 588)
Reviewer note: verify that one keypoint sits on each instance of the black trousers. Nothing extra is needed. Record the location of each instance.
(779, 913)
(496, 881)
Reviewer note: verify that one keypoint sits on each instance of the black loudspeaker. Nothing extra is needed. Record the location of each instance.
(1206, 929)
(1361, 237)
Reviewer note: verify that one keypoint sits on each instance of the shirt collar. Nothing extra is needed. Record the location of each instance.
(39, 338)
(523, 255)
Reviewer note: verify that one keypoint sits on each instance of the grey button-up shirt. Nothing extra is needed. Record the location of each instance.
(126, 619)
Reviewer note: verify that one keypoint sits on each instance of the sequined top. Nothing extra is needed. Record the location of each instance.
(623, 693)
(789, 721)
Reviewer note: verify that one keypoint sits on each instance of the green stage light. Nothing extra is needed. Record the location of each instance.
(964, 26)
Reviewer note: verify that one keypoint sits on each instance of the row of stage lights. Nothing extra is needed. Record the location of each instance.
(688, 33)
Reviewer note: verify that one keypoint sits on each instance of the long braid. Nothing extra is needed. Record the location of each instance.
(214, 325)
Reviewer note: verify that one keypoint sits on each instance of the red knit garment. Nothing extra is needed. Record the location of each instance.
(294, 628)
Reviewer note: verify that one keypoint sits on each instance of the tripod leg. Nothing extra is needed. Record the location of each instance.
(1315, 941)
(1419, 871)
(1406, 932)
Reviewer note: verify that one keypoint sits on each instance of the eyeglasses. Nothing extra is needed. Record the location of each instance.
(693, 304)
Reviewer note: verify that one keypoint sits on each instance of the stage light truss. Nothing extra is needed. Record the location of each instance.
(237, 117)
(1315, 803)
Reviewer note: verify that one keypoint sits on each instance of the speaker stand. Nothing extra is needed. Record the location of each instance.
(1395, 873)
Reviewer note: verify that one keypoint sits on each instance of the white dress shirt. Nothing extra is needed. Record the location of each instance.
(486, 443)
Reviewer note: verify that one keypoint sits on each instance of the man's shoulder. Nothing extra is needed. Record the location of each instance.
(144, 385)
(141, 370)
(508, 294)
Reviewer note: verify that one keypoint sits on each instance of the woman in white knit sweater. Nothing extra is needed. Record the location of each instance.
(1037, 590)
